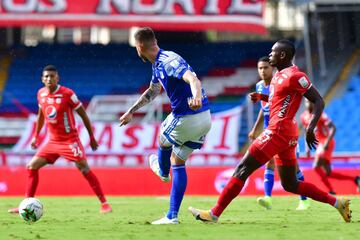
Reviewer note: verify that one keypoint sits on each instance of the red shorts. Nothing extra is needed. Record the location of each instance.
(325, 154)
(71, 150)
(281, 147)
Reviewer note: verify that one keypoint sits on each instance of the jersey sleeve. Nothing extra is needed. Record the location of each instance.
(73, 100)
(300, 82)
(176, 67)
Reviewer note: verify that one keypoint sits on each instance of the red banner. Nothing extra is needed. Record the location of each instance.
(141, 181)
(224, 15)
(142, 139)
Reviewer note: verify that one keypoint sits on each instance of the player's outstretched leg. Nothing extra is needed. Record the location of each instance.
(291, 184)
(245, 168)
(178, 188)
(304, 202)
(160, 164)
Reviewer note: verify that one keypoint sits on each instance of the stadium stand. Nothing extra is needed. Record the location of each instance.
(340, 110)
(116, 69)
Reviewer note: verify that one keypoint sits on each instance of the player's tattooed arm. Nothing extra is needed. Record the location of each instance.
(314, 96)
(149, 95)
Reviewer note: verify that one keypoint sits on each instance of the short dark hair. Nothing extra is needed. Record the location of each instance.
(264, 59)
(50, 68)
(289, 47)
(145, 35)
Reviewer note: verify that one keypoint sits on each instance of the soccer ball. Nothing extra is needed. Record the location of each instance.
(31, 209)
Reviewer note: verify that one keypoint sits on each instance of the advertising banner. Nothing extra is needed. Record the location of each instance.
(141, 181)
(193, 15)
(143, 138)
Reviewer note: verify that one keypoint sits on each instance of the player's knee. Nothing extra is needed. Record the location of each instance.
(270, 165)
(175, 160)
(289, 186)
(30, 166)
(242, 171)
(164, 142)
(83, 168)
(33, 165)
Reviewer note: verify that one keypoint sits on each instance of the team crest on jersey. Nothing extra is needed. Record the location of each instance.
(50, 100)
(58, 100)
(303, 82)
(293, 142)
(50, 112)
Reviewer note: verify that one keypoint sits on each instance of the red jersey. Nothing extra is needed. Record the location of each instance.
(57, 108)
(286, 90)
(322, 129)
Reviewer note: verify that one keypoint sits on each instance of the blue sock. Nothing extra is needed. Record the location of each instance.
(268, 181)
(301, 178)
(164, 160)
(178, 188)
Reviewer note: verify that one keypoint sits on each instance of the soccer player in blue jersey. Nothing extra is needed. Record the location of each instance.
(265, 71)
(185, 128)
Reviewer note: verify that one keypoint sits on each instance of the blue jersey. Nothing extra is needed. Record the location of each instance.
(261, 88)
(169, 69)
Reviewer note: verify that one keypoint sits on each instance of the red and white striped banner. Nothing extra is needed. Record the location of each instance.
(129, 145)
(193, 15)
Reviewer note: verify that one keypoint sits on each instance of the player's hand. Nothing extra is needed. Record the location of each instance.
(34, 143)
(251, 135)
(93, 143)
(195, 103)
(311, 140)
(125, 119)
(255, 97)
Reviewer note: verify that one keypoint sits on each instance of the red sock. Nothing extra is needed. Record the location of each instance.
(341, 176)
(32, 182)
(231, 190)
(311, 191)
(324, 178)
(95, 185)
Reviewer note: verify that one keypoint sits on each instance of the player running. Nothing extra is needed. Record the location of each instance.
(265, 71)
(185, 128)
(325, 131)
(56, 106)
(279, 140)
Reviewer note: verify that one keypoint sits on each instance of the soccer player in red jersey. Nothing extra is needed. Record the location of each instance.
(56, 106)
(279, 140)
(325, 131)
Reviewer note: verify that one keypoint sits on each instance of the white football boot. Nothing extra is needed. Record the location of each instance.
(154, 165)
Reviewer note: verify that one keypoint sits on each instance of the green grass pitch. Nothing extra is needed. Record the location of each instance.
(79, 218)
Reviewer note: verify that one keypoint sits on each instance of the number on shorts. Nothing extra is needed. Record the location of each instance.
(76, 150)
(264, 137)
